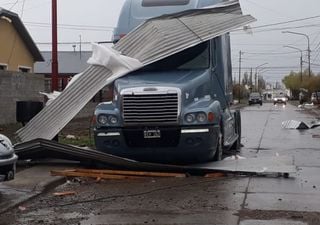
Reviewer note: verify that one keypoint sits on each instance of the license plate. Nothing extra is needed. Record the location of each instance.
(149, 134)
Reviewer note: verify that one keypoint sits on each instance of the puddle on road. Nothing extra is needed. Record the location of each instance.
(271, 222)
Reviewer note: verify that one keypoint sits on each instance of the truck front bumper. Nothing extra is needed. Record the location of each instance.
(176, 144)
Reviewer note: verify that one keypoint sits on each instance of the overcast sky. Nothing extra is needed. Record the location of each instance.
(94, 20)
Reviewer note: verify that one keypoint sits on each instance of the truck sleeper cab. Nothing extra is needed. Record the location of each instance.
(174, 110)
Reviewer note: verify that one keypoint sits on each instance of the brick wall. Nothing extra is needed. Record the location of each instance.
(15, 87)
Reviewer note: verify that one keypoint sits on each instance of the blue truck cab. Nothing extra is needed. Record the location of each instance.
(174, 110)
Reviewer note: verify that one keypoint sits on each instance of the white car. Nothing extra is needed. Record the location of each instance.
(7, 159)
(280, 99)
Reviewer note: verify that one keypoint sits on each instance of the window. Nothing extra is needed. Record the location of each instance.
(3, 67)
(47, 85)
(24, 69)
(152, 3)
(196, 57)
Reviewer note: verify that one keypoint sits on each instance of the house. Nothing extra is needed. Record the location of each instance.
(18, 50)
(70, 63)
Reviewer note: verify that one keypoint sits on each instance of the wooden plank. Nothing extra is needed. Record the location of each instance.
(70, 173)
(214, 175)
(64, 193)
(134, 173)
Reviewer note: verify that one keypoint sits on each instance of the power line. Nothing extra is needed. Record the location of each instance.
(68, 25)
(285, 22)
(270, 53)
(277, 29)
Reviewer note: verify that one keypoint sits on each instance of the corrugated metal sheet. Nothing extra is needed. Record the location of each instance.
(38, 148)
(55, 116)
(163, 36)
(154, 40)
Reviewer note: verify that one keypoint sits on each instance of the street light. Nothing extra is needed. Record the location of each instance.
(291, 32)
(288, 46)
(256, 74)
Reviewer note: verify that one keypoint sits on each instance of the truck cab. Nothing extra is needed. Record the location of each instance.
(173, 110)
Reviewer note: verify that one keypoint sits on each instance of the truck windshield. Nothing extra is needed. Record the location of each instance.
(197, 57)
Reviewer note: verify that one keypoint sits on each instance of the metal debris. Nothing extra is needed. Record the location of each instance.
(40, 148)
(294, 124)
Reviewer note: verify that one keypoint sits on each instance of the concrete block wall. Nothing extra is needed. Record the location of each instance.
(15, 86)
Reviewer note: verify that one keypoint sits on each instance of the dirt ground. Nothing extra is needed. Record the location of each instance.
(80, 130)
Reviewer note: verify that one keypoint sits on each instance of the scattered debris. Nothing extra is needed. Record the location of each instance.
(22, 208)
(113, 174)
(307, 106)
(64, 193)
(294, 124)
(71, 137)
(234, 157)
(215, 175)
(40, 148)
(50, 96)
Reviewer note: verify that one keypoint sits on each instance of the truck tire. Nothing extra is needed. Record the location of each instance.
(218, 154)
(237, 116)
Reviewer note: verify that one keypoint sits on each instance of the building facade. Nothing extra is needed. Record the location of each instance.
(18, 51)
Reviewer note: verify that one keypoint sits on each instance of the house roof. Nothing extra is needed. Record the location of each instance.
(68, 62)
(24, 34)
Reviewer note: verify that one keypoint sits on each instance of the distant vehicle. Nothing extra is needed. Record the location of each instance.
(255, 98)
(315, 97)
(7, 159)
(280, 99)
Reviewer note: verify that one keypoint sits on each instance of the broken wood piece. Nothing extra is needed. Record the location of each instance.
(214, 175)
(134, 173)
(64, 193)
(114, 174)
(69, 173)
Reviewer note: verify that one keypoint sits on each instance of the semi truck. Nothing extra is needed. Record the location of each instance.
(175, 110)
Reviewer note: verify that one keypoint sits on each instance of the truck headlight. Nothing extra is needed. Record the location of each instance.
(201, 117)
(103, 119)
(113, 119)
(190, 117)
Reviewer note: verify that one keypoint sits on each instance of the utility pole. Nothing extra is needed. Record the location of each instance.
(80, 45)
(251, 79)
(309, 51)
(54, 63)
(255, 81)
(301, 62)
(240, 54)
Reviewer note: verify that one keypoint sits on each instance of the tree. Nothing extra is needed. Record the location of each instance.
(245, 79)
(294, 84)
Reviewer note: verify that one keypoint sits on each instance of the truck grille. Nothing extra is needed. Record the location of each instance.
(150, 109)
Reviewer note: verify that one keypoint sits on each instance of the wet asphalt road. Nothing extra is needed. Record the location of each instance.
(196, 200)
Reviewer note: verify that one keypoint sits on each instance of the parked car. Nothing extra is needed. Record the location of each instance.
(315, 97)
(280, 99)
(255, 98)
(7, 159)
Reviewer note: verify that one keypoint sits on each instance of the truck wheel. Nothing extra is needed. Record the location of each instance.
(237, 117)
(218, 154)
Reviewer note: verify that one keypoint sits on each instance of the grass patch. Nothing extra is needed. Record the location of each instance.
(82, 141)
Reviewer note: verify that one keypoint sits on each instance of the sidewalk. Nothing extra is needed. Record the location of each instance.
(27, 184)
